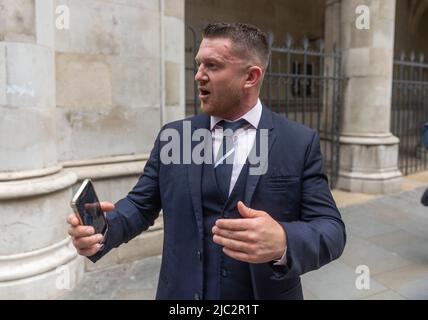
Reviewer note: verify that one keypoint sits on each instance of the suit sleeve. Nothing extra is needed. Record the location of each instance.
(319, 236)
(137, 211)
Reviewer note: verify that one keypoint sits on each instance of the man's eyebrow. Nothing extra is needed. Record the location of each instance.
(210, 59)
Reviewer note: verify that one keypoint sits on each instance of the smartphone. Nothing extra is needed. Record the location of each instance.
(87, 207)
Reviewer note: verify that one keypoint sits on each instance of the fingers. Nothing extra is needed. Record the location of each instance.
(232, 244)
(245, 236)
(235, 224)
(243, 210)
(247, 212)
(241, 256)
(87, 242)
(106, 206)
(73, 220)
(81, 231)
(90, 251)
(84, 239)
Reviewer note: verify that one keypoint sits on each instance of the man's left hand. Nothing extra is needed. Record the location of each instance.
(257, 238)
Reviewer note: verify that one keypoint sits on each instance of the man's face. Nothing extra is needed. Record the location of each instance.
(221, 77)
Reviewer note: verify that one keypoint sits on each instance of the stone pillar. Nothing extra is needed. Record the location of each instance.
(369, 152)
(37, 260)
(332, 24)
(173, 42)
(330, 86)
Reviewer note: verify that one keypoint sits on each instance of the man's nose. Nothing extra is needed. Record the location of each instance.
(200, 75)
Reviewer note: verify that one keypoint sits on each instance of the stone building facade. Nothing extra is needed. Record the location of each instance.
(83, 102)
(88, 101)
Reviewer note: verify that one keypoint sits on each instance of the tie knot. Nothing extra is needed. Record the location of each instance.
(233, 125)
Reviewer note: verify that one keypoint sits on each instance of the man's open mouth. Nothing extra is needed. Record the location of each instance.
(203, 93)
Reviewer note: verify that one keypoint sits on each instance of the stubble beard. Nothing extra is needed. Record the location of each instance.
(224, 108)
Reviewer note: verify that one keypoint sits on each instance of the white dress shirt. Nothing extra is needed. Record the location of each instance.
(243, 139)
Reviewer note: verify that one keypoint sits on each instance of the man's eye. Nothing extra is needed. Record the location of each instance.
(211, 65)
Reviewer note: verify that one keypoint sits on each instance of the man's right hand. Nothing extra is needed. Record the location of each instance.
(86, 242)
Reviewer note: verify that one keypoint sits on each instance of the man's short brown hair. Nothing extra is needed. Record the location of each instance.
(245, 37)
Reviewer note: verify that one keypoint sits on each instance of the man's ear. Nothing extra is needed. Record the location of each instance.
(254, 75)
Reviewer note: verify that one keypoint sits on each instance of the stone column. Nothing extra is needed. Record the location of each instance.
(332, 24)
(330, 85)
(36, 257)
(369, 152)
(173, 42)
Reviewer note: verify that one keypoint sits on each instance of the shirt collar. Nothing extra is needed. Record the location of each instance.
(253, 116)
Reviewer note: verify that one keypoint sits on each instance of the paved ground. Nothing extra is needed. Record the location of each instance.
(387, 234)
(390, 236)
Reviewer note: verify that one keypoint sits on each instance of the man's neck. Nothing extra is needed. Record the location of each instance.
(242, 111)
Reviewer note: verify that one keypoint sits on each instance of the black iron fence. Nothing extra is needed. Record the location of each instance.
(303, 84)
(410, 111)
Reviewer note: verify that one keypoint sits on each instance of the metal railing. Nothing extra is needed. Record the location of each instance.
(410, 111)
(304, 84)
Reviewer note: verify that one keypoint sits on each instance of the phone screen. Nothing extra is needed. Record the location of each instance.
(90, 210)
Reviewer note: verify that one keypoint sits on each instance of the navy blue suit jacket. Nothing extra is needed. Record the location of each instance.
(294, 191)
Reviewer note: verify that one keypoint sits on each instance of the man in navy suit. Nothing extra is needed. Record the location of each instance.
(230, 231)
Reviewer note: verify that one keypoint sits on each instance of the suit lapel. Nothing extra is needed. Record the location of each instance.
(266, 122)
(195, 173)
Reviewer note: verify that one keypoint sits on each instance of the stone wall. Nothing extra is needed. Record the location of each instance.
(83, 102)
(108, 78)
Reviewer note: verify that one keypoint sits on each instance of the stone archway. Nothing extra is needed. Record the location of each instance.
(411, 28)
(418, 11)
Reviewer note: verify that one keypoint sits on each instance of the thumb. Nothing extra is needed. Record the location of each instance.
(106, 206)
(246, 212)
